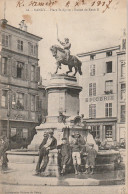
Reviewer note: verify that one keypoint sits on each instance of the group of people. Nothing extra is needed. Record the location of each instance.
(69, 152)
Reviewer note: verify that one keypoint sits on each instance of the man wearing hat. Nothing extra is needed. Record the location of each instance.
(65, 154)
(67, 46)
(90, 160)
(76, 144)
(49, 143)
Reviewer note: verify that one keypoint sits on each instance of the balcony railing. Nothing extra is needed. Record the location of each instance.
(108, 92)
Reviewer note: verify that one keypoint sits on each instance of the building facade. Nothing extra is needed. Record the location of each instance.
(100, 99)
(22, 100)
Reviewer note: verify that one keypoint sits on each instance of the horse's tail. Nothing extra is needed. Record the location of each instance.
(79, 68)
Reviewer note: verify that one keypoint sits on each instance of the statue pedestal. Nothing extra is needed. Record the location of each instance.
(52, 168)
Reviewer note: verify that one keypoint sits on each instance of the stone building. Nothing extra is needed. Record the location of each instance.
(102, 100)
(22, 100)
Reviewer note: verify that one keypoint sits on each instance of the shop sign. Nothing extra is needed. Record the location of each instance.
(99, 98)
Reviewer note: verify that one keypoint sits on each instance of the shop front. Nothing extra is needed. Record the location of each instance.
(103, 129)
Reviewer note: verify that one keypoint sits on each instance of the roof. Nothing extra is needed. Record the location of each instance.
(98, 51)
(19, 30)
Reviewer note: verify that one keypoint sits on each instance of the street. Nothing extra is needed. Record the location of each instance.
(14, 189)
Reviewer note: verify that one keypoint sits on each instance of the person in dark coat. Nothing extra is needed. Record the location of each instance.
(65, 154)
(49, 143)
(4, 146)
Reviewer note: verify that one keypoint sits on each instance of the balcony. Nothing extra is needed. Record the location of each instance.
(108, 92)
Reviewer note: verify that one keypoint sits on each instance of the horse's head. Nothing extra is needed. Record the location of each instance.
(53, 49)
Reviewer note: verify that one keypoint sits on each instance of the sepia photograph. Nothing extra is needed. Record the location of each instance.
(63, 97)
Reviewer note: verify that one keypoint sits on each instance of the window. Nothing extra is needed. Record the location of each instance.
(122, 119)
(92, 57)
(109, 67)
(32, 73)
(108, 131)
(109, 86)
(25, 133)
(13, 100)
(5, 40)
(32, 103)
(92, 89)
(4, 98)
(92, 70)
(123, 91)
(108, 109)
(92, 111)
(95, 131)
(20, 66)
(123, 69)
(108, 53)
(20, 101)
(4, 65)
(32, 49)
(20, 45)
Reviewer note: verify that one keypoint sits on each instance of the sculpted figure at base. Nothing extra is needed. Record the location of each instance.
(62, 56)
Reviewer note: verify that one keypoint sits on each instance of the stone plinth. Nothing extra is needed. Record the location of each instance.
(63, 95)
(52, 168)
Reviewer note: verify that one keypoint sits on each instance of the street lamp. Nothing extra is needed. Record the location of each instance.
(8, 113)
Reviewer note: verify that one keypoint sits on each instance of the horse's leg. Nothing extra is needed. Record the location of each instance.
(70, 70)
(58, 65)
(75, 71)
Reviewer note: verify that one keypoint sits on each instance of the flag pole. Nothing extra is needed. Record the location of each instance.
(4, 8)
(57, 30)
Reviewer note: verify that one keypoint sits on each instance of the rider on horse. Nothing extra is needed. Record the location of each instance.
(67, 46)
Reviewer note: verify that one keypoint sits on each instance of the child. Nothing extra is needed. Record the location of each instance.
(91, 156)
(65, 152)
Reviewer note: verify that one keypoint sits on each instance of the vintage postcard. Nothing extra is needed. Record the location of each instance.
(63, 96)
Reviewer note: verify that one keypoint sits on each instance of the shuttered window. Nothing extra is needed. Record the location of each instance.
(32, 73)
(123, 91)
(92, 89)
(92, 111)
(37, 74)
(122, 116)
(20, 45)
(4, 65)
(109, 85)
(92, 70)
(5, 40)
(4, 99)
(108, 109)
(32, 102)
(33, 49)
(123, 69)
(20, 101)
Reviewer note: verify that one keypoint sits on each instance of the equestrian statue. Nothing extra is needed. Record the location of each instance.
(62, 56)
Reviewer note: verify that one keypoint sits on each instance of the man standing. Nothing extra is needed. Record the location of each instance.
(67, 46)
(65, 153)
(76, 144)
(4, 146)
(49, 143)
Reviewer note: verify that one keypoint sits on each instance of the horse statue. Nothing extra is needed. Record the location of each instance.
(60, 57)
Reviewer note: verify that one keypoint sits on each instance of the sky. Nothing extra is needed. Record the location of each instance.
(86, 30)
